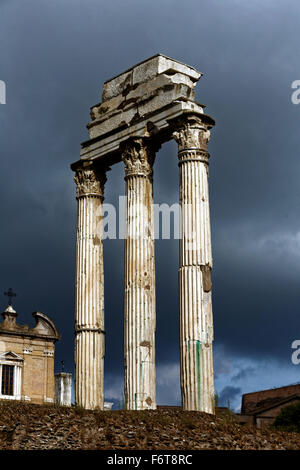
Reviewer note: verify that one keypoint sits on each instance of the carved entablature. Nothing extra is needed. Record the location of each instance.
(138, 156)
(90, 181)
(150, 100)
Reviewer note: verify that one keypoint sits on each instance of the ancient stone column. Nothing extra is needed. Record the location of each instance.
(196, 323)
(140, 319)
(89, 289)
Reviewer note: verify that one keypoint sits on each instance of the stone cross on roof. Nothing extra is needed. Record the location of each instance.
(10, 294)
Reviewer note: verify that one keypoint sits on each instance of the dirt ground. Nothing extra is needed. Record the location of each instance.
(33, 427)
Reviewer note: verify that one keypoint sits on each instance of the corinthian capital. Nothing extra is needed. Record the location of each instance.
(138, 157)
(192, 135)
(90, 181)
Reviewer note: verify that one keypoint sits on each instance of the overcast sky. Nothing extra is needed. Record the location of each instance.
(54, 58)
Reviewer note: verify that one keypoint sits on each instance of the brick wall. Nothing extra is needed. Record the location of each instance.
(37, 368)
(251, 401)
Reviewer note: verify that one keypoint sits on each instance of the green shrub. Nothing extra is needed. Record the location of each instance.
(289, 418)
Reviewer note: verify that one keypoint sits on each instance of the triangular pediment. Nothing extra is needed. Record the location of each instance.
(10, 356)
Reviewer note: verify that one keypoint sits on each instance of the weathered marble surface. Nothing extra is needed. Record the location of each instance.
(139, 102)
(89, 288)
(146, 71)
(142, 108)
(195, 303)
(139, 288)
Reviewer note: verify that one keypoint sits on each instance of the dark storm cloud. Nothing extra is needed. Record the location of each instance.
(243, 373)
(55, 57)
(227, 395)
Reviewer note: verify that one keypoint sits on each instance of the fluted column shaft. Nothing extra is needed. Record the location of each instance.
(89, 290)
(139, 302)
(196, 323)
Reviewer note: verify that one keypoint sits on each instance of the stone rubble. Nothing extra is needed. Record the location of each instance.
(38, 427)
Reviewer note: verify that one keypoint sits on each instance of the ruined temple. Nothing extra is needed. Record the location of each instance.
(141, 109)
